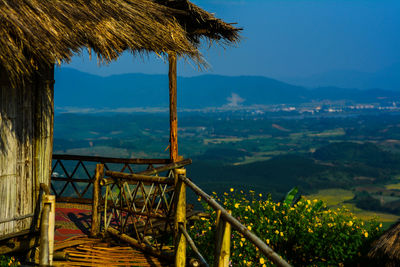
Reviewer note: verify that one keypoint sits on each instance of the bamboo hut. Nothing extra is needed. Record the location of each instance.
(386, 250)
(37, 34)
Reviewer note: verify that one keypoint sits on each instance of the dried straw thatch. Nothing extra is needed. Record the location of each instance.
(386, 250)
(199, 23)
(45, 32)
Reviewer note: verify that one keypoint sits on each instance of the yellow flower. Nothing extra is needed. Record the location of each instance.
(366, 234)
(225, 193)
(232, 189)
(243, 239)
(262, 261)
(237, 205)
(267, 241)
(281, 233)
(277, 232)
(249, 227)
(260, 196)
(380, 225)
(350, 223)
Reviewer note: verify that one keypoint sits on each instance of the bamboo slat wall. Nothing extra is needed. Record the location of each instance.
(26, 119)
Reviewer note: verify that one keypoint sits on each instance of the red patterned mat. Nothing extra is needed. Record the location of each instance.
(72, 220)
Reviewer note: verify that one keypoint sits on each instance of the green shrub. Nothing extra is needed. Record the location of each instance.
(304, 233)
(8, 261)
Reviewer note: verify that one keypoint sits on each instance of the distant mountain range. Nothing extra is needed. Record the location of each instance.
(81, 90)
(387, 78)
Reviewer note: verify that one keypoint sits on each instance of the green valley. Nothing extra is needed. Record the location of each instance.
(353, 160)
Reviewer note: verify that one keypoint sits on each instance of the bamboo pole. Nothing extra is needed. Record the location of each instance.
(51, 200)
(168, 167)
(95, 229)
(135, 178)
(265, 249)
(44, 252)
(173, 119)
(193, 246)
(180, 220)
(137, 244)
(110, 160)
(223, 242)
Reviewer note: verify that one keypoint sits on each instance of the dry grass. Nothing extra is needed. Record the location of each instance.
(199, 23)
(387, 247)
(37, 32)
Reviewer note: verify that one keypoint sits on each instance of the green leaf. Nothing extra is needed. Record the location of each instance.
(290, 196)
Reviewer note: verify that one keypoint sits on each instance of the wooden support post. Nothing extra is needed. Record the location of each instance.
(173, 118)
(223, 242)
(180, 219)
(95, 229)
(51, 200)
(44, 252)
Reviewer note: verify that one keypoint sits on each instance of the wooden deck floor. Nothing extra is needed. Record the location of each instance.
(73, 244)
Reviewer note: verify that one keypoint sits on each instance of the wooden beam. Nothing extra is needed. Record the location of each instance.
(180, 219)
(44, 251)
(95, 229)
(223, 242)
(111, 160)
(51, 200)
(193, 246)
(173, 118)
(168, 167)
(115, 176)
(137, 244)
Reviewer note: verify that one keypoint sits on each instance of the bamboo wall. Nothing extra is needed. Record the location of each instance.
(26, 130)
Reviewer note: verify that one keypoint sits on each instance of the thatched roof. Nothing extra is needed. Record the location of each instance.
(386, 249)
(199, 23)
(45, 32)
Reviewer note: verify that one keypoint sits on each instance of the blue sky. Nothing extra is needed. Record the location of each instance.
(289, 38)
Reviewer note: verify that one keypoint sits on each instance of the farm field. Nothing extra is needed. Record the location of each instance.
(336, 198)
(342, 160)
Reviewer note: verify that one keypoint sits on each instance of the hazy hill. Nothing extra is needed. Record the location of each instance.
(78, 89)
(387, 78)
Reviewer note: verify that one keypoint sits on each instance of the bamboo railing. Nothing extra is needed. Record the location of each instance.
(137, 207)
(177, 176)
(224, 221)
(140, 207)
(74, 172)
